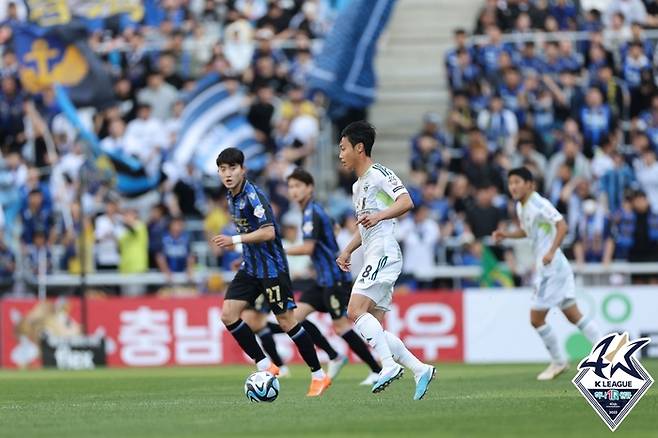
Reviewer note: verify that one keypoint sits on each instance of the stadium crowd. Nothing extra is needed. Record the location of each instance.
(262, 48)
(582, 114)
(579, 109)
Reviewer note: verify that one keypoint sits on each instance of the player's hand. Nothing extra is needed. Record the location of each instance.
(223, 241)
(344, 261)
(498, 235)
(369, 220)
(548, 258)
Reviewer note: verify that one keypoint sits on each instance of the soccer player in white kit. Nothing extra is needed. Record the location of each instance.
(379, 197)
(554, 284)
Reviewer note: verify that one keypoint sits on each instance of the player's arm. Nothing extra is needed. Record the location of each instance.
(344, 259)
(263, 234)
(501, 234)
(561, 231)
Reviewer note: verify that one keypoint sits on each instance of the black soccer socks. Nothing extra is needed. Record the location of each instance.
(267, 339)
(319, 339)
(247, 340)
(361, 349)
(305, 346)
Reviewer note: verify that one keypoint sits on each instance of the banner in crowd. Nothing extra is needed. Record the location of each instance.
(60, 55)
(213, 119)
(24, 324)
(57, 12)
(497, 322)
(344, 70)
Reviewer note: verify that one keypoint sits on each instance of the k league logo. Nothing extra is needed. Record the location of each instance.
(611, 379)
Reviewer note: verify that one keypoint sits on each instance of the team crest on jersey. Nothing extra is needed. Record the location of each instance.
(393, 180)
(308, 227)
(611, 379)
(259, 211)
(242, 203)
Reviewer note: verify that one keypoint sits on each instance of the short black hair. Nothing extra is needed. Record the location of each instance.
(230, 156)
(360, 132)
(523, 173)
(302, 175)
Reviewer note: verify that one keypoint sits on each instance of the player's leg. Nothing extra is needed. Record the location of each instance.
(244, 336)
(282, 304)
(257, 320)
(362, 302)
(305, 308)
(585, 324)
(423, 373)
(335, 301)
(547, 334)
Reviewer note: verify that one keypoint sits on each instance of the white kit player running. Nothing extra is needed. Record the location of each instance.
(554, 284)
(379, 197)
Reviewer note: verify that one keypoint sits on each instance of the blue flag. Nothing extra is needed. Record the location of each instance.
(344, 70)
(60, 55)
(213, 119)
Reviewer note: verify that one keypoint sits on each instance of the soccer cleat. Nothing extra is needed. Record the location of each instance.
(386, 377)
(552, 371)
(335, 365)
(318, 386)
(284, 371)
(273, 369)
(423, 382)
(370, 380)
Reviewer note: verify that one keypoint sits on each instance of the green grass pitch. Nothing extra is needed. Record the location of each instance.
(465, 401)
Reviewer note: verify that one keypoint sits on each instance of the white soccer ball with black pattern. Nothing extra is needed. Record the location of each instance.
(261, 386)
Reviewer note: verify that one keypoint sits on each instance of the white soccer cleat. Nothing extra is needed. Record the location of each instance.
(370, 380)
(284, 371)
(386, 377)
(552, 371)
(334, 366)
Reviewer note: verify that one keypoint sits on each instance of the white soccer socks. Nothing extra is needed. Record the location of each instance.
(550, 340)
(403, 356)
(589, 329)
(372, 332)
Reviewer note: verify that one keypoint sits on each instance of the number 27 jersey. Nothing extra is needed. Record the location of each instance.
(375, 191)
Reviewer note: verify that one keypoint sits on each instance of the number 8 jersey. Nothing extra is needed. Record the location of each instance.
(375, 191)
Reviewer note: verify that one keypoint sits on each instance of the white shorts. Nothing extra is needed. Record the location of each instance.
(377, 279)
(554, 290)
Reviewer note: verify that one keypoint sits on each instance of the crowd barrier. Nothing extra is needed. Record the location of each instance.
(472, 326)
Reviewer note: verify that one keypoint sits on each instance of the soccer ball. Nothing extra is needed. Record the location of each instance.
(261, 387)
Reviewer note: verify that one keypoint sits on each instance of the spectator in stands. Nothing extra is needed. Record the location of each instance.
(133, 243)
(646, 171)
(175, 255)
(39, 257)
(37, 218)
(479, 170)
(419, 235)
(596, 120)
(106, 230)
(188, 198)
(645, 231)
(145, 137)
(464, 72)
(482, 216)
(76, 231)
(158, 95)
(614, 91)
(633, 11)
(499, 126)
(261, 115)
(157, 226)
(7, 264)
(573, 158)
(616, 181)
(459, 42)
(12, 133)
(461, 119)
(593, 240)
(565, 13)
(634, 64)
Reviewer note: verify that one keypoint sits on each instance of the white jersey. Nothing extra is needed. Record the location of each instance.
(538, 219)
(375, 191)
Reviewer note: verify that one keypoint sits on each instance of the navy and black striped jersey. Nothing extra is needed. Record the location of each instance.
(251, 210)
(318, 227)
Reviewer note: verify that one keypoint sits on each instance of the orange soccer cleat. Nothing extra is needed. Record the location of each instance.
(318, 386)
(273, 369)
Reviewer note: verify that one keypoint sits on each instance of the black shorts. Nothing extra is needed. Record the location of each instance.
(332, 300)
(276, 293)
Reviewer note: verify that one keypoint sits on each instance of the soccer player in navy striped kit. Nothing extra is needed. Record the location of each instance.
(264, 270)
(333, 285)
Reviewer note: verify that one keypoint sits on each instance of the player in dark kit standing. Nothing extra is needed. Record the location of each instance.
(333, 285)
(264, 270)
